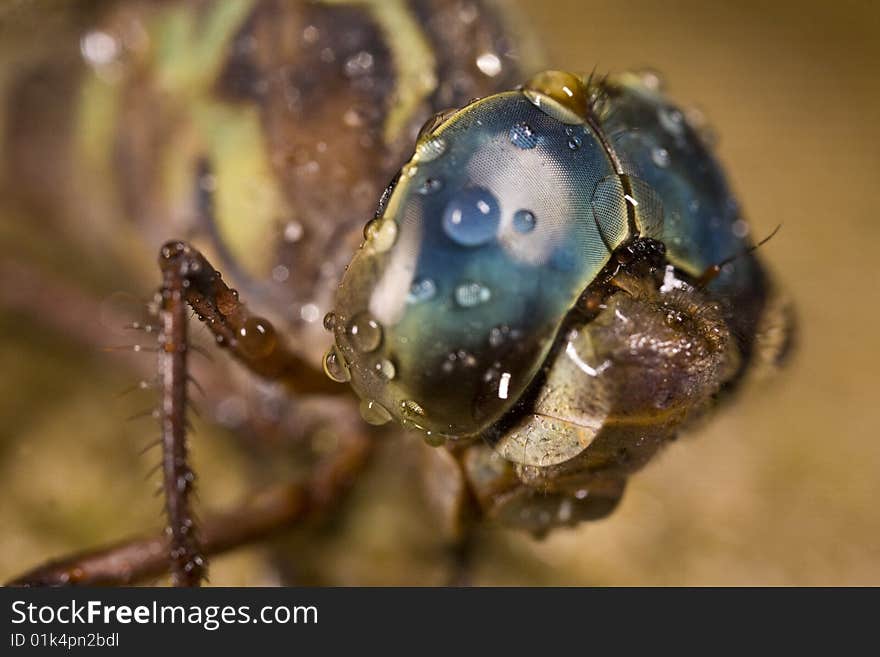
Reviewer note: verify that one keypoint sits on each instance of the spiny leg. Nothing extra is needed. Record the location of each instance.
(252, 340)
(186, 558)
(188, 278)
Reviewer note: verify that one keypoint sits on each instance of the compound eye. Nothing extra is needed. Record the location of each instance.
(449, 309)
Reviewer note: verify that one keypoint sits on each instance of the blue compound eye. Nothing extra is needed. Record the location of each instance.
(484, 246)
(508, 211)
(455, 316)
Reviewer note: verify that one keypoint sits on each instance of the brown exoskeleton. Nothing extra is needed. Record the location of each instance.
(537, 293)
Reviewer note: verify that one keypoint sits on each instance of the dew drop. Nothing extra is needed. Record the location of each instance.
(99, 48)
(660, 156)
(335, 366)
(365, 332)
(498, 335)
(671, 119)
(385, 369)
(489, 64)
(430, 149)
(293, 231)
(522, 136)
(574, 143)
(430, 186)
(740, 228)
(472, 216)
(523, 221)
(359, 64)
(330, 321)
(422, 289)
(651, 79)
(370, 227)
(310, 34)
(381, 233)
(257, 337)
(558, 94)
(374, 413)
(470, 294)
(309, 312)
(433, 123)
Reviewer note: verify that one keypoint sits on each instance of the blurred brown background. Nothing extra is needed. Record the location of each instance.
(780, 489)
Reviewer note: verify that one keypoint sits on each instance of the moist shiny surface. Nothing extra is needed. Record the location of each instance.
(702, 223)
(486, 243)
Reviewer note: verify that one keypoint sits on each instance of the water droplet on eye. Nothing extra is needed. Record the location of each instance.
(522, 136)
(651, 79)
(335, 366)
(560, 95)
(470, 294)
(330, 321)
(430, 186)
(257, 337)
(385, 369)
(660, 156)
(498, 335)
(523, 221)
(374, 413)
(430, 149)
(381, 234)
(370, 227)
(422, 289)
(472, 216)
(671, 119)
(459, 358)
(433, 123)
(740, 228)
(365, 332)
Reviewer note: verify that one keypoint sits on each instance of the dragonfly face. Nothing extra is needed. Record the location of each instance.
(536, 279)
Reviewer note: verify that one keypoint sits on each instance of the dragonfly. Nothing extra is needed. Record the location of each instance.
(555, 282)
